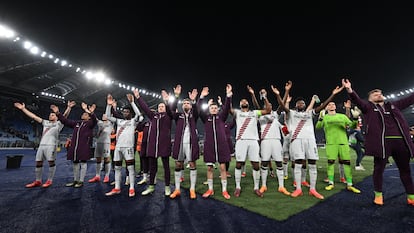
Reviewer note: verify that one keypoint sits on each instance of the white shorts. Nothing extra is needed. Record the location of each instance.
(185, 153)
(271, 149)
(46, 152)
(246, 148)
(102, 150)
(304, 149)
(126, 153)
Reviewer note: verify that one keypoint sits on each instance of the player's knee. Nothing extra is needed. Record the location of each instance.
(279, 164)
(346, 162)
(118, 163)
(192, 166)
(332, 161)
(130, 162)
(256, 166)
(299, 161)
(312, 161)
(265, 164)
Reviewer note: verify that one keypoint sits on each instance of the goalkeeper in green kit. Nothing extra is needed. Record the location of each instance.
(335, 125)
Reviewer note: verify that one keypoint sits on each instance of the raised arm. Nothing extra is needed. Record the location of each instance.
(268, 107)
(91, 110)
(362, 104)
(173, 104)
(71, 104)
(28, 113)
(114, 112)
(138, 116)
(279, 99)
(192, 96)
(225, 110)
(63, 119)
(312, 103)
(203, 94)
(254, 99)
(108, 111)
(330, 98)
(286, 98)
(143, 105)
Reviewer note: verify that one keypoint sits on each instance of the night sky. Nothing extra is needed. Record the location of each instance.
(159, 46)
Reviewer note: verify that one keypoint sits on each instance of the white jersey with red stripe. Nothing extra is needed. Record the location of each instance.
(125, 133)
(247, 124)
(104, 132)
(294, 120)
(270, 126)
(50, 134)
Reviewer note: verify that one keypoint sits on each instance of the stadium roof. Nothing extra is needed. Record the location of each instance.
(28, 69)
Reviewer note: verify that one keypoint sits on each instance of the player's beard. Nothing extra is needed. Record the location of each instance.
(301, 109)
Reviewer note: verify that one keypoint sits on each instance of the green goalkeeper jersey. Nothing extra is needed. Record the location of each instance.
(335, 127)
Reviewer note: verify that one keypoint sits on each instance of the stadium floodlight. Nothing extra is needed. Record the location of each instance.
(78, 69)
(144, 91)
(171, 99)
(180, 101)
(50, 56)
(120, 85)
(63, 63)
(6, 32)
(132, 88)
(70, 65)
(128, 87)
(43, 54)
(392, 96)
(56, 60)
(204, 106)
(108, 81)
(27, 45)
(100, 77)
(89, 75)
(34, 50)
(16, 39)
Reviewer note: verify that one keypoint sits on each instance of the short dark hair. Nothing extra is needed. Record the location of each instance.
(374, 90)
(187, 99)
(300, 98)
(127, 107)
